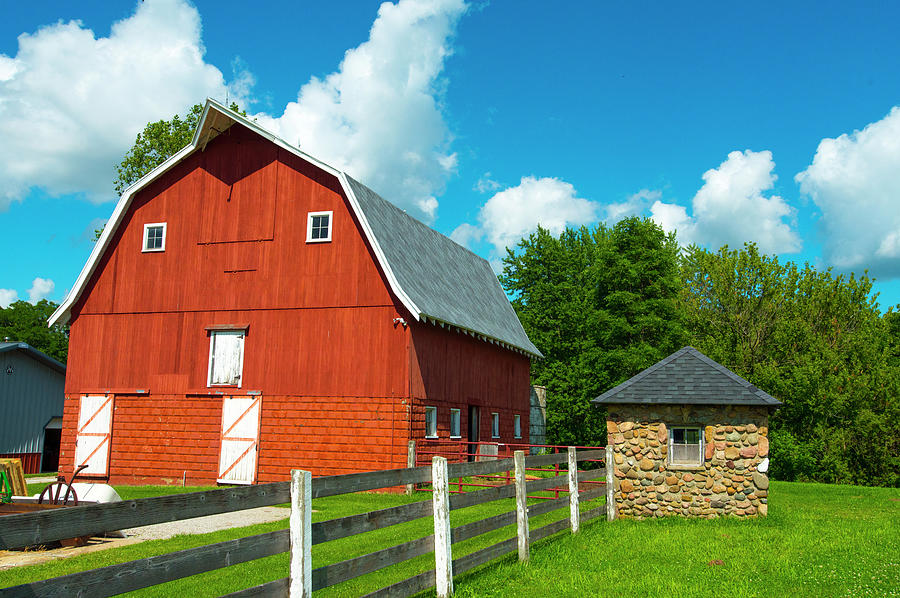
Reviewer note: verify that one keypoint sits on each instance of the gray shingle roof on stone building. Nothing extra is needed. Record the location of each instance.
(687, 377)
(446, 281)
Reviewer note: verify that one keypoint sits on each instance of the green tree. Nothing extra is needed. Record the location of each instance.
(22, 321)
(154, 145)
(600, 305)
(812, 339)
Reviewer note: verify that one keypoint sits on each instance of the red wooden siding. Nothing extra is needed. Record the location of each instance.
(31, 462)
(311, 352)
(279, 271)
(453, 370)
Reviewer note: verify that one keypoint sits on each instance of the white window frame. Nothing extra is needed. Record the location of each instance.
(455, 419)
(699, 462)
(432, 433)
(212, 348)
(309, 226)
(517, 425)
(495, 425)
(147, 227)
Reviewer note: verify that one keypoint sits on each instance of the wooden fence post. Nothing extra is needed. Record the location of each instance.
(301, 534)
(610, 483)
(410, 462)
(574, 515)
(443, 557)
(521, 507)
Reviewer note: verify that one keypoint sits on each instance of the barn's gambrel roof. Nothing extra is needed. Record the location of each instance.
(437, 280)
(687, 377)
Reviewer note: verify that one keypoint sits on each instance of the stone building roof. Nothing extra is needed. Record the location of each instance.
(687, 377)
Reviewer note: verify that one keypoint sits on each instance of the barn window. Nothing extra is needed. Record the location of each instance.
(226, 357)
(495, 425)
(685, 446)
(454, 423)
(154, 237)
(431, 422)
(517, 425)
(318, 227)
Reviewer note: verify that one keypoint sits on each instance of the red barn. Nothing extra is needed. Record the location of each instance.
(249, 310)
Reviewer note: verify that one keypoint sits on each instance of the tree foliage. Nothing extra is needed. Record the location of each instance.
(814, 340)
(22, 321)
(154, 145)
(603, 304)
(600, 304)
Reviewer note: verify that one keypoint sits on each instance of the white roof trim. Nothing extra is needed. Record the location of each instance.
(63, 312)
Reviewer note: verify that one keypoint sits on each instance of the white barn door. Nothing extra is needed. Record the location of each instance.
(93, 437)
(240, 440)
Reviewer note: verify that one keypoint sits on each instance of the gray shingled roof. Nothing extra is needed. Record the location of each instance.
(34, 353)
(687, 377)
(446, 281)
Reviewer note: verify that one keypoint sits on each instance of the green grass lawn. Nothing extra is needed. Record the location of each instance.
(818, 540)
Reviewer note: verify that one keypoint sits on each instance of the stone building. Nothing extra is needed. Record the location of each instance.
(689, 438)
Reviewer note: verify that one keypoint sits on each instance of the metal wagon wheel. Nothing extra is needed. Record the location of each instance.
(53, 490)
(59, 493)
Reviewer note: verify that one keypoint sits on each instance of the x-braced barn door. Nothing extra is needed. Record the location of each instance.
(93, 437)
(240, 440)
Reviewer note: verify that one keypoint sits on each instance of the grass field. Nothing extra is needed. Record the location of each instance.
(818, 540)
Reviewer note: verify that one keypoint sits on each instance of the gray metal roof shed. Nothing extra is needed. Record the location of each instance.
(687, 377)
(31, 394)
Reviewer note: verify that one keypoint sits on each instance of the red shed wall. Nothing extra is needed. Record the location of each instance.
(453, 370)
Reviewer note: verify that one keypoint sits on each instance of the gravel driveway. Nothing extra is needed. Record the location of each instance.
(210, 523)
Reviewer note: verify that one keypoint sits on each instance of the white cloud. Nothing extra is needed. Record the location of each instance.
(486, 184)
(71, 104)
(379, 116)
(731, 207)
(8, 296)
(40, 288)
(633, 206)
(854, 181)
(466, 234)
(515, 212)
(673, 217)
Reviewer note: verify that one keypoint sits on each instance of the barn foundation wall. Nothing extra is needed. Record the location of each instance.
(168, 439)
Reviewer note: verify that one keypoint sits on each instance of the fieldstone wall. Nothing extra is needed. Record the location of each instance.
(728, 483)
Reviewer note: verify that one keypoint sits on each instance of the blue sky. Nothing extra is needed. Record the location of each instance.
(762, 122)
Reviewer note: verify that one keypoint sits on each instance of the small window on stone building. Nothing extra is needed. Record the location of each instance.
(685, 446)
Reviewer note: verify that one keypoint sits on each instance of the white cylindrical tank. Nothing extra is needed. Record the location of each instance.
(96, 492)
